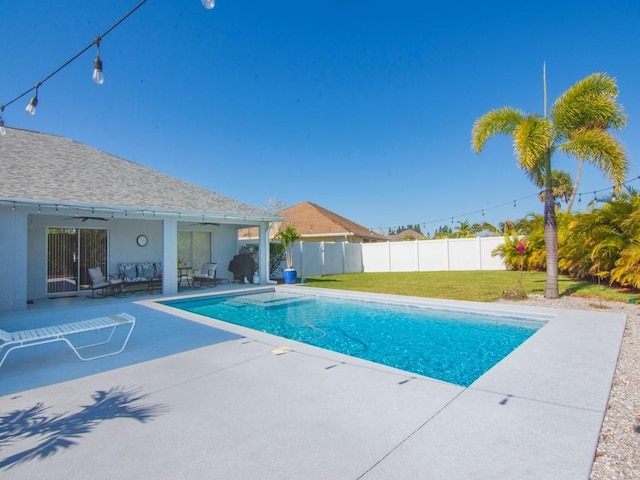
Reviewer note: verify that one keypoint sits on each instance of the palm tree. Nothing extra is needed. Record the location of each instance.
(577, 127)
(463, 230)
(561, 186)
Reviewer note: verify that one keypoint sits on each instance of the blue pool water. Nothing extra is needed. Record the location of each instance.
(455, 347)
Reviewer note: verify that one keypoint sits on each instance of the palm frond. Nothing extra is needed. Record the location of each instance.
(531, 140)
(590, 103)
(601, 149)
(500, 121)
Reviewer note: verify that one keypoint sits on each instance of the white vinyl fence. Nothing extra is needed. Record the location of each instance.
(326, 258)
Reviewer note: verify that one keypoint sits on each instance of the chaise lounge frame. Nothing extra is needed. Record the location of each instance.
(10, 341)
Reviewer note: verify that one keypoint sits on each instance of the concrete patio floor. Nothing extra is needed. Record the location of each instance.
(235, 410)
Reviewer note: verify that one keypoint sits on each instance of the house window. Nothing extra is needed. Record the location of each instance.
(194, 248)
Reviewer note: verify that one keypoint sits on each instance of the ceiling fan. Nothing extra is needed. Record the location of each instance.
(84, 219)
(205, 223)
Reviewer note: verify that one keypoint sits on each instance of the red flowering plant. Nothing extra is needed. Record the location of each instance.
(519, 251)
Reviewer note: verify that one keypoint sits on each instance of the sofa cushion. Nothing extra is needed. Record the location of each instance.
(158, 266)
(146, 270)
(128, 271)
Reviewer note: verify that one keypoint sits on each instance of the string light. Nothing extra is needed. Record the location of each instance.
(98, 76)
(3, 131)
(33, 103)
(466, 215)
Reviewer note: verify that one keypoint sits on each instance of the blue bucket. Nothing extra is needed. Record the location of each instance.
(289, 276)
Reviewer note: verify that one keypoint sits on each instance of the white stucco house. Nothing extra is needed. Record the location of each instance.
(66, 207)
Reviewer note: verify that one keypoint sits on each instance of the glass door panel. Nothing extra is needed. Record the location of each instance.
(70, 252)
(62, 267)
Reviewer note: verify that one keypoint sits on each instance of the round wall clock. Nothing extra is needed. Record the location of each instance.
(142, 240)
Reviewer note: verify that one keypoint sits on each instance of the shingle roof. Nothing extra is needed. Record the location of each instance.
(409, 233)
(311, 219)
(49, 168)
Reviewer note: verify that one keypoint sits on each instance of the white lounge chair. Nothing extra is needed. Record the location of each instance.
(10, 341)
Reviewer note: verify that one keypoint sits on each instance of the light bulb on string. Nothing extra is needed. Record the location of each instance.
(98, 77)
(33, 103)
(208, 4)
(3, 131)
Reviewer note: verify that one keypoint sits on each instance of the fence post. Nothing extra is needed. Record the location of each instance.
(446, 249)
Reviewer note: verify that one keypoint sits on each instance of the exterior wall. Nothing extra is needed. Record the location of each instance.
(13, 257)
(225, 246)
(122, 248)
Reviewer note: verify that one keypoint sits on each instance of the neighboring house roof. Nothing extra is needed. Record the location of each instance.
(39, 167)
(408, 234)
(312, 220)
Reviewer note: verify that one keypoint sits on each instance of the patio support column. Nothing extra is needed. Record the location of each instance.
(169, 257)
(14, 244)
(263, 252)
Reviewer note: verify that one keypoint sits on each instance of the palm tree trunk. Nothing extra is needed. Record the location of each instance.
(576, 184)
(550, 234)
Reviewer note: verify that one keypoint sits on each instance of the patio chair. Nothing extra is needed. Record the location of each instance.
(10, 341)
(207, 276)
(100, 282)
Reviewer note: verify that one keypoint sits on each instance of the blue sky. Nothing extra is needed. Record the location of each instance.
(364, 108)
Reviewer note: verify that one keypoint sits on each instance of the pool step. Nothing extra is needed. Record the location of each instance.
(267, 300)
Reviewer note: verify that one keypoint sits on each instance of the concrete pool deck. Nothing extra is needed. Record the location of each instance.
(235, 410)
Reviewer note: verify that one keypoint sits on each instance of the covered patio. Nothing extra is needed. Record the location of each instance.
(66, 207)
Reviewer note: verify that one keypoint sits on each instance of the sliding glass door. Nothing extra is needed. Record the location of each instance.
(194, 248)
(70, 252)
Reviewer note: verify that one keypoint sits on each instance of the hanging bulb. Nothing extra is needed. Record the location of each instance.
(33, 103)
(97, 64)
(98, 77)
(208, 4)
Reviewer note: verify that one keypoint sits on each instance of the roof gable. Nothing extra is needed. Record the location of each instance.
(311, 219)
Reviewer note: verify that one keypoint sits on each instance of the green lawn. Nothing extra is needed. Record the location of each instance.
(485, 286)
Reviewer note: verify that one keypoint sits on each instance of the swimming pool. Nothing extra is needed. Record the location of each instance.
(452, 346)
